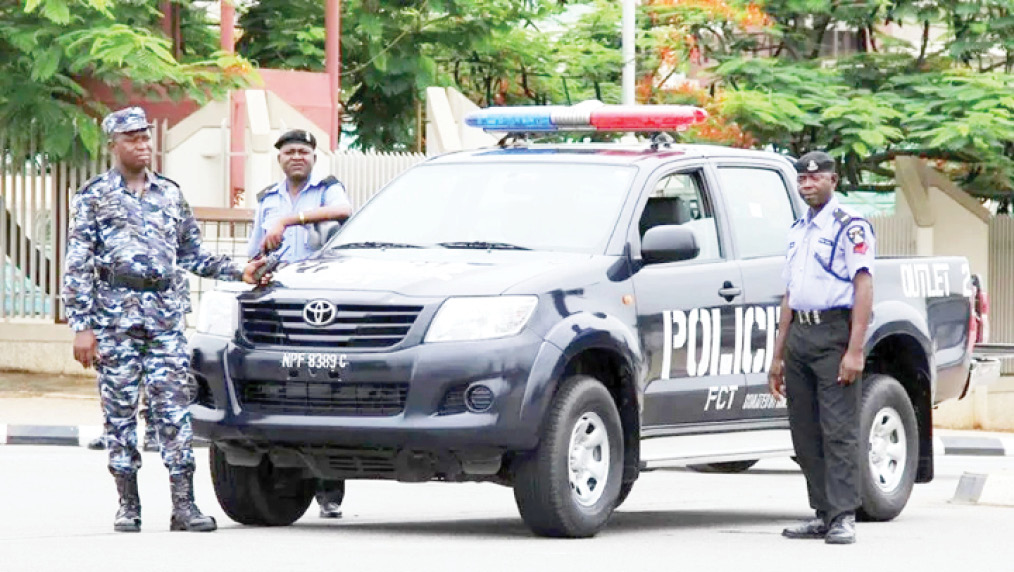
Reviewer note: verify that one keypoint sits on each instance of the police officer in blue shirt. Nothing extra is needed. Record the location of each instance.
(287, 208)
(284, 212)
(818, 354)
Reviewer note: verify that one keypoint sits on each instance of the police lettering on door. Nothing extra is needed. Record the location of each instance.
(698, 343)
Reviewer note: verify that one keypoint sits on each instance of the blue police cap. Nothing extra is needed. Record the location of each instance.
(125, 120)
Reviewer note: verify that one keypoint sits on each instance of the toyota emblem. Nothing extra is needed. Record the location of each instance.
(319, 313)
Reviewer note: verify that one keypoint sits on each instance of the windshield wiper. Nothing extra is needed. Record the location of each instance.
(483, 245)
(375, 244)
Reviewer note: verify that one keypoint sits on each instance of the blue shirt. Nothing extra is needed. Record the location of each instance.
(277, 202)
(812, 249)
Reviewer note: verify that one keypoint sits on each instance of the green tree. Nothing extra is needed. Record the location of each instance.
(46, 46)
(393, 49)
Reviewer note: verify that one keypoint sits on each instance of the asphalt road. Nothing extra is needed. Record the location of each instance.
(57, 505)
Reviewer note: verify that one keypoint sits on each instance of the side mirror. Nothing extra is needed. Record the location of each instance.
(669, 243)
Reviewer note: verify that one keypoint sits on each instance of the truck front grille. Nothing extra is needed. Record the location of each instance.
(353, 326)
(316, 398)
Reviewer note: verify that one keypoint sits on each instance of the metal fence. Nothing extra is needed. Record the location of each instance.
(1001, 283)
(896, 235)
(364, 173)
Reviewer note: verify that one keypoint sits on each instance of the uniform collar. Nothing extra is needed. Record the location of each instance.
(826, 214)
(312, 182)
(116, 180)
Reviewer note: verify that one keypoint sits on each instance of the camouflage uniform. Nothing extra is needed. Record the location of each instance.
(140, 333)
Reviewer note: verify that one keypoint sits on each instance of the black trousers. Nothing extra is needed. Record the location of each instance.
(824, 415)
(330, 491)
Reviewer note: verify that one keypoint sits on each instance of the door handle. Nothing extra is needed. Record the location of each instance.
(728, 291)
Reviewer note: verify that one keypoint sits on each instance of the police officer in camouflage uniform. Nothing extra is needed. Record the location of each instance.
(131, 230)
(825, 313)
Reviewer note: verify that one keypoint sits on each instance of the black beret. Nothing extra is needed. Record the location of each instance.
(815, 162)
(297, 136)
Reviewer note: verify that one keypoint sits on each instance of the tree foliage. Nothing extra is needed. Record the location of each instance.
(47, 46)
(944, 97)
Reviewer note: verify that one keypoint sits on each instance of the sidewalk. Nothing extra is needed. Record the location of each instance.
(64, 410)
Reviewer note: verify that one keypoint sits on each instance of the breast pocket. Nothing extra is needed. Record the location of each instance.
(112, 219)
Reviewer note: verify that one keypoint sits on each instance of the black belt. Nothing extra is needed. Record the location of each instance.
(139, 283)
(814, 317)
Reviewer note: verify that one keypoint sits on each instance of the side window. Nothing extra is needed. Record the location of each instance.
(679, 198)
(760, 211)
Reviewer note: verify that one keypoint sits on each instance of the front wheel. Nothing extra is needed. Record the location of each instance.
(570, 484)
(264, 495)
(890, 440)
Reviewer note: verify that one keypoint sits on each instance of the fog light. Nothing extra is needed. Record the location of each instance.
(478, 398)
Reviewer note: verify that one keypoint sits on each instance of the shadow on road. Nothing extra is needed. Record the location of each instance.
(620, 523)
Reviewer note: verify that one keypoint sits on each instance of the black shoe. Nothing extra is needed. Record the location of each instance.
(98, 443)
(814, 528)
(842, 531)
(330, 510)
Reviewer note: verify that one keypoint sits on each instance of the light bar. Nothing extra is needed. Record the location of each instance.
(587, 116)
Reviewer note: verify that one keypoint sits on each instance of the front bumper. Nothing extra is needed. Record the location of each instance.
(431, 372)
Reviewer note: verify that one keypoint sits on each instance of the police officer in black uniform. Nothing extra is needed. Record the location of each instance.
(818, 354)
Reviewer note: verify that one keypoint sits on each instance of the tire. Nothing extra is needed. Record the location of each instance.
(889, 449)
(552, 499)
(729, 467)
(624, 493)
(260, 496)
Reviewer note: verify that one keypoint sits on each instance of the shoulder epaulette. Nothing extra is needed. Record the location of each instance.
(798, 222)
(90, 182)
(329, 180)
(842, 217)
(264, 191)
(165, 178)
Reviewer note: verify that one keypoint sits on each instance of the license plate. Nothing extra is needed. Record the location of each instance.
(311, 362)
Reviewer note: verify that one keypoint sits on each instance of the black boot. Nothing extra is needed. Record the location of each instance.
(128, 517)
(186, 515)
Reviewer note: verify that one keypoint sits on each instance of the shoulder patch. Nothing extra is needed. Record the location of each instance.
(264, 191)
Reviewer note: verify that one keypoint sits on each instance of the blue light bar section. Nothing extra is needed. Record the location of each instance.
(525, 119)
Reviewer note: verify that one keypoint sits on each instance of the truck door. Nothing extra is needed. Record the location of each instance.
(760, 211)
(686, 310)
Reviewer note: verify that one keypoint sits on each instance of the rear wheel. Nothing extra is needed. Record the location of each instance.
(264, 495)
(570, 484)
(890, 440)
(727, 467)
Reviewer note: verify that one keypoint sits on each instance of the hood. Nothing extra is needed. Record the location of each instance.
(424, 273)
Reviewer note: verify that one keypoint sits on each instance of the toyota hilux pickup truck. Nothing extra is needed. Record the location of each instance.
(556, 318)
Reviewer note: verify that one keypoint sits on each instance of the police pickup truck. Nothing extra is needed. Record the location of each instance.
(556, 318)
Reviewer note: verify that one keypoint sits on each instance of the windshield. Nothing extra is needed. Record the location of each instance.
(537, 206)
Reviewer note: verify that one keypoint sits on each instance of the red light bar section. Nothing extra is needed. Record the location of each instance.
(645, 117)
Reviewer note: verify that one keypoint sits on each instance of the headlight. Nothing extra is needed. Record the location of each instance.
(482, 318)
(217, 314)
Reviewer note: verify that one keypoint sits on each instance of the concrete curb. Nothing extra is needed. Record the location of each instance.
(80, 435)
(65, 435)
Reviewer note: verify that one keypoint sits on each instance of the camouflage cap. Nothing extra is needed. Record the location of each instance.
(125, 120)
(815, 162)
(297, 136)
